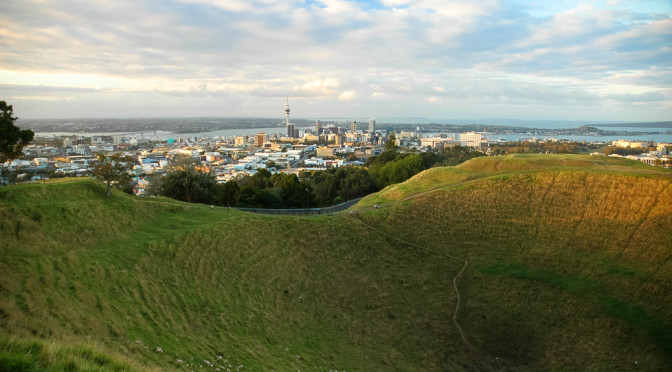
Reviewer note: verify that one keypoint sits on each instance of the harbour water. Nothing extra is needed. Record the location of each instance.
(663, 134)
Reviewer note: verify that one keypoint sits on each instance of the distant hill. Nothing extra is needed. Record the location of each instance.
(560, 263)
(658, 124)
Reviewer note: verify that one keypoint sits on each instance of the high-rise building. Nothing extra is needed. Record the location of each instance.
(261, 138)
(353, 127)
(318, 127)
(372, 125)
(471, 139)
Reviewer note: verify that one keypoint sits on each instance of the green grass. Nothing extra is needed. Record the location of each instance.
(203, 283)
(569, 269)
(633, 316)
(505, 166)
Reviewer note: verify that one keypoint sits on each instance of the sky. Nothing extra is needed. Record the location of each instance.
(602, 60)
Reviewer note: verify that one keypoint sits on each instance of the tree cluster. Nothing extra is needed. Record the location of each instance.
(625, 151)
(334, 186)
(188, 182)
(393, 166)
(536, 147)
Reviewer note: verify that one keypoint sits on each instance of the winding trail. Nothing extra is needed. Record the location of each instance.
(355, 214)
(464, 266)
(465, 262)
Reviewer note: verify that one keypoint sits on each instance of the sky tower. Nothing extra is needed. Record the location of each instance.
(289, 134)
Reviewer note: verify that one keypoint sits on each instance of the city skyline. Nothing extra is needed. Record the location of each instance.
(561, 60)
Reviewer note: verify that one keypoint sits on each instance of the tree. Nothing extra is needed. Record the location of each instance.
(12, 139)
(113, 169)
(356, 183)
(227, 193)
(457, 155)
(250, 197)
(399, 170)
(391, 150)
(334, 185)
(186, 182)
(261, 179)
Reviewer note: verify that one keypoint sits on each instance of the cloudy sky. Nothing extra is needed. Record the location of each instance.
(441, 59)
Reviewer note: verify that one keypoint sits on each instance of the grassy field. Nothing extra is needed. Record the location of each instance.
(568, 269)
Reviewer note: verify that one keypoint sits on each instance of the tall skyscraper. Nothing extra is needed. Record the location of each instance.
(318, 127)
(353, 127)
(372, 125)
(290, 132)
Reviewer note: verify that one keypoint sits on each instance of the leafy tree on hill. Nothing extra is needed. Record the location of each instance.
(249, 197)
(261, 179)
(341, 184)
(398, 170)
(272, 199)
(391, 150)
(293, 191)
(227, 193)
(624, 151)
(187, 182)
(12, 139)
(113, 170)
(455, 155)
(552, 147)
(325, 186)
(356, 183)
(430, 158)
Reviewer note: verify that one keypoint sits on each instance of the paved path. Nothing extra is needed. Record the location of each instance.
(303, 211)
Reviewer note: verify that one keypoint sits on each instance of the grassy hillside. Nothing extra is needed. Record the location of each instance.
(568, 268)
(570, 256)
(262, 292)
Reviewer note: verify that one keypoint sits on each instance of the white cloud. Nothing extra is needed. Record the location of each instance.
(261, 6)
(318, 88)
(576, 22)
(347, 95)
(413, 55)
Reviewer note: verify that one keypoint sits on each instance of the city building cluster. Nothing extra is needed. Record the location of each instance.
(294, 151)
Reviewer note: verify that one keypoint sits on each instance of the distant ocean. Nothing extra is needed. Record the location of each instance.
(540, 124)
(664, 138)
